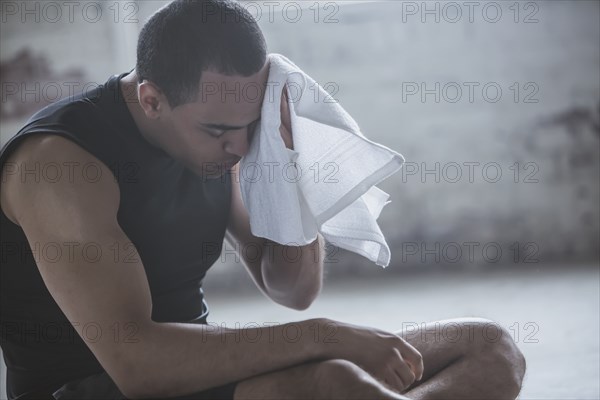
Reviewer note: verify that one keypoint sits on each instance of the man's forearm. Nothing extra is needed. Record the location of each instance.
(178, 359)
(293, 275)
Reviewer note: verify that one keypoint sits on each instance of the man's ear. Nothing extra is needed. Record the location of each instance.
(152, 99)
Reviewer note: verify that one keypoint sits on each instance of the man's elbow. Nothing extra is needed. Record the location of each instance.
(301, 305)
(298, 301)
(136, 382)
(293, 304)
(132, 373)
(133, 393)
(126, 377)
(292, 292)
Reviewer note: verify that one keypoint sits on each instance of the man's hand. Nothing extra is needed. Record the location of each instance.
(286, 122)
(384, 355)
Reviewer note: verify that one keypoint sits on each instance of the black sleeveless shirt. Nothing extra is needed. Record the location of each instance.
(175, 219)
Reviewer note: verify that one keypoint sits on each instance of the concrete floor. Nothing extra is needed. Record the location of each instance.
(553, 312)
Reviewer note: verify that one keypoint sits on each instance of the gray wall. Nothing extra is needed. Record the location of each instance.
(370, 55)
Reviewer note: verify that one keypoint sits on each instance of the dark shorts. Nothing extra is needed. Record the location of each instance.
(101, 386)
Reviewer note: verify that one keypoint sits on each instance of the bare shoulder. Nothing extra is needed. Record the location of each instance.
(45, 170)
(74, 210)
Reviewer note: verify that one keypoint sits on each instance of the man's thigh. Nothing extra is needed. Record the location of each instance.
(323, 379)
(297, 382)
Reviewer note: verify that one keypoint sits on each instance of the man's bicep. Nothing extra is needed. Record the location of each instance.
(79, 217)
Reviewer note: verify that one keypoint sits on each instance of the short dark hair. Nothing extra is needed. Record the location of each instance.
(186, 37)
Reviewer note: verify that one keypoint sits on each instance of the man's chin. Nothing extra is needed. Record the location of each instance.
(211, 170)
(213, 174)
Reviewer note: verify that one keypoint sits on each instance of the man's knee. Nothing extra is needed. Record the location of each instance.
(493, 345)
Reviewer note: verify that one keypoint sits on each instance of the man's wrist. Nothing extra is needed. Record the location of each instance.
(322, 342)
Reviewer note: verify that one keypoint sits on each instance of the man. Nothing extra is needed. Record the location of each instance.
(116, 202)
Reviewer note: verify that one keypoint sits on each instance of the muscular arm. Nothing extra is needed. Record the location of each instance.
(289, 275)
(162, 359)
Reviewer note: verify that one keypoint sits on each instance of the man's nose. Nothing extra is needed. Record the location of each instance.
(238, 142)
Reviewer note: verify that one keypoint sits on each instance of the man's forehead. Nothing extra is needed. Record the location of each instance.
(233, 100)
(212, 79)
(244, 94)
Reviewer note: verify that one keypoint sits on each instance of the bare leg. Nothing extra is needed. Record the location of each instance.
(466, 358)
(331, 379)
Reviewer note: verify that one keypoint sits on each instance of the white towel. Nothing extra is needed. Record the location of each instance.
(326, 184)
